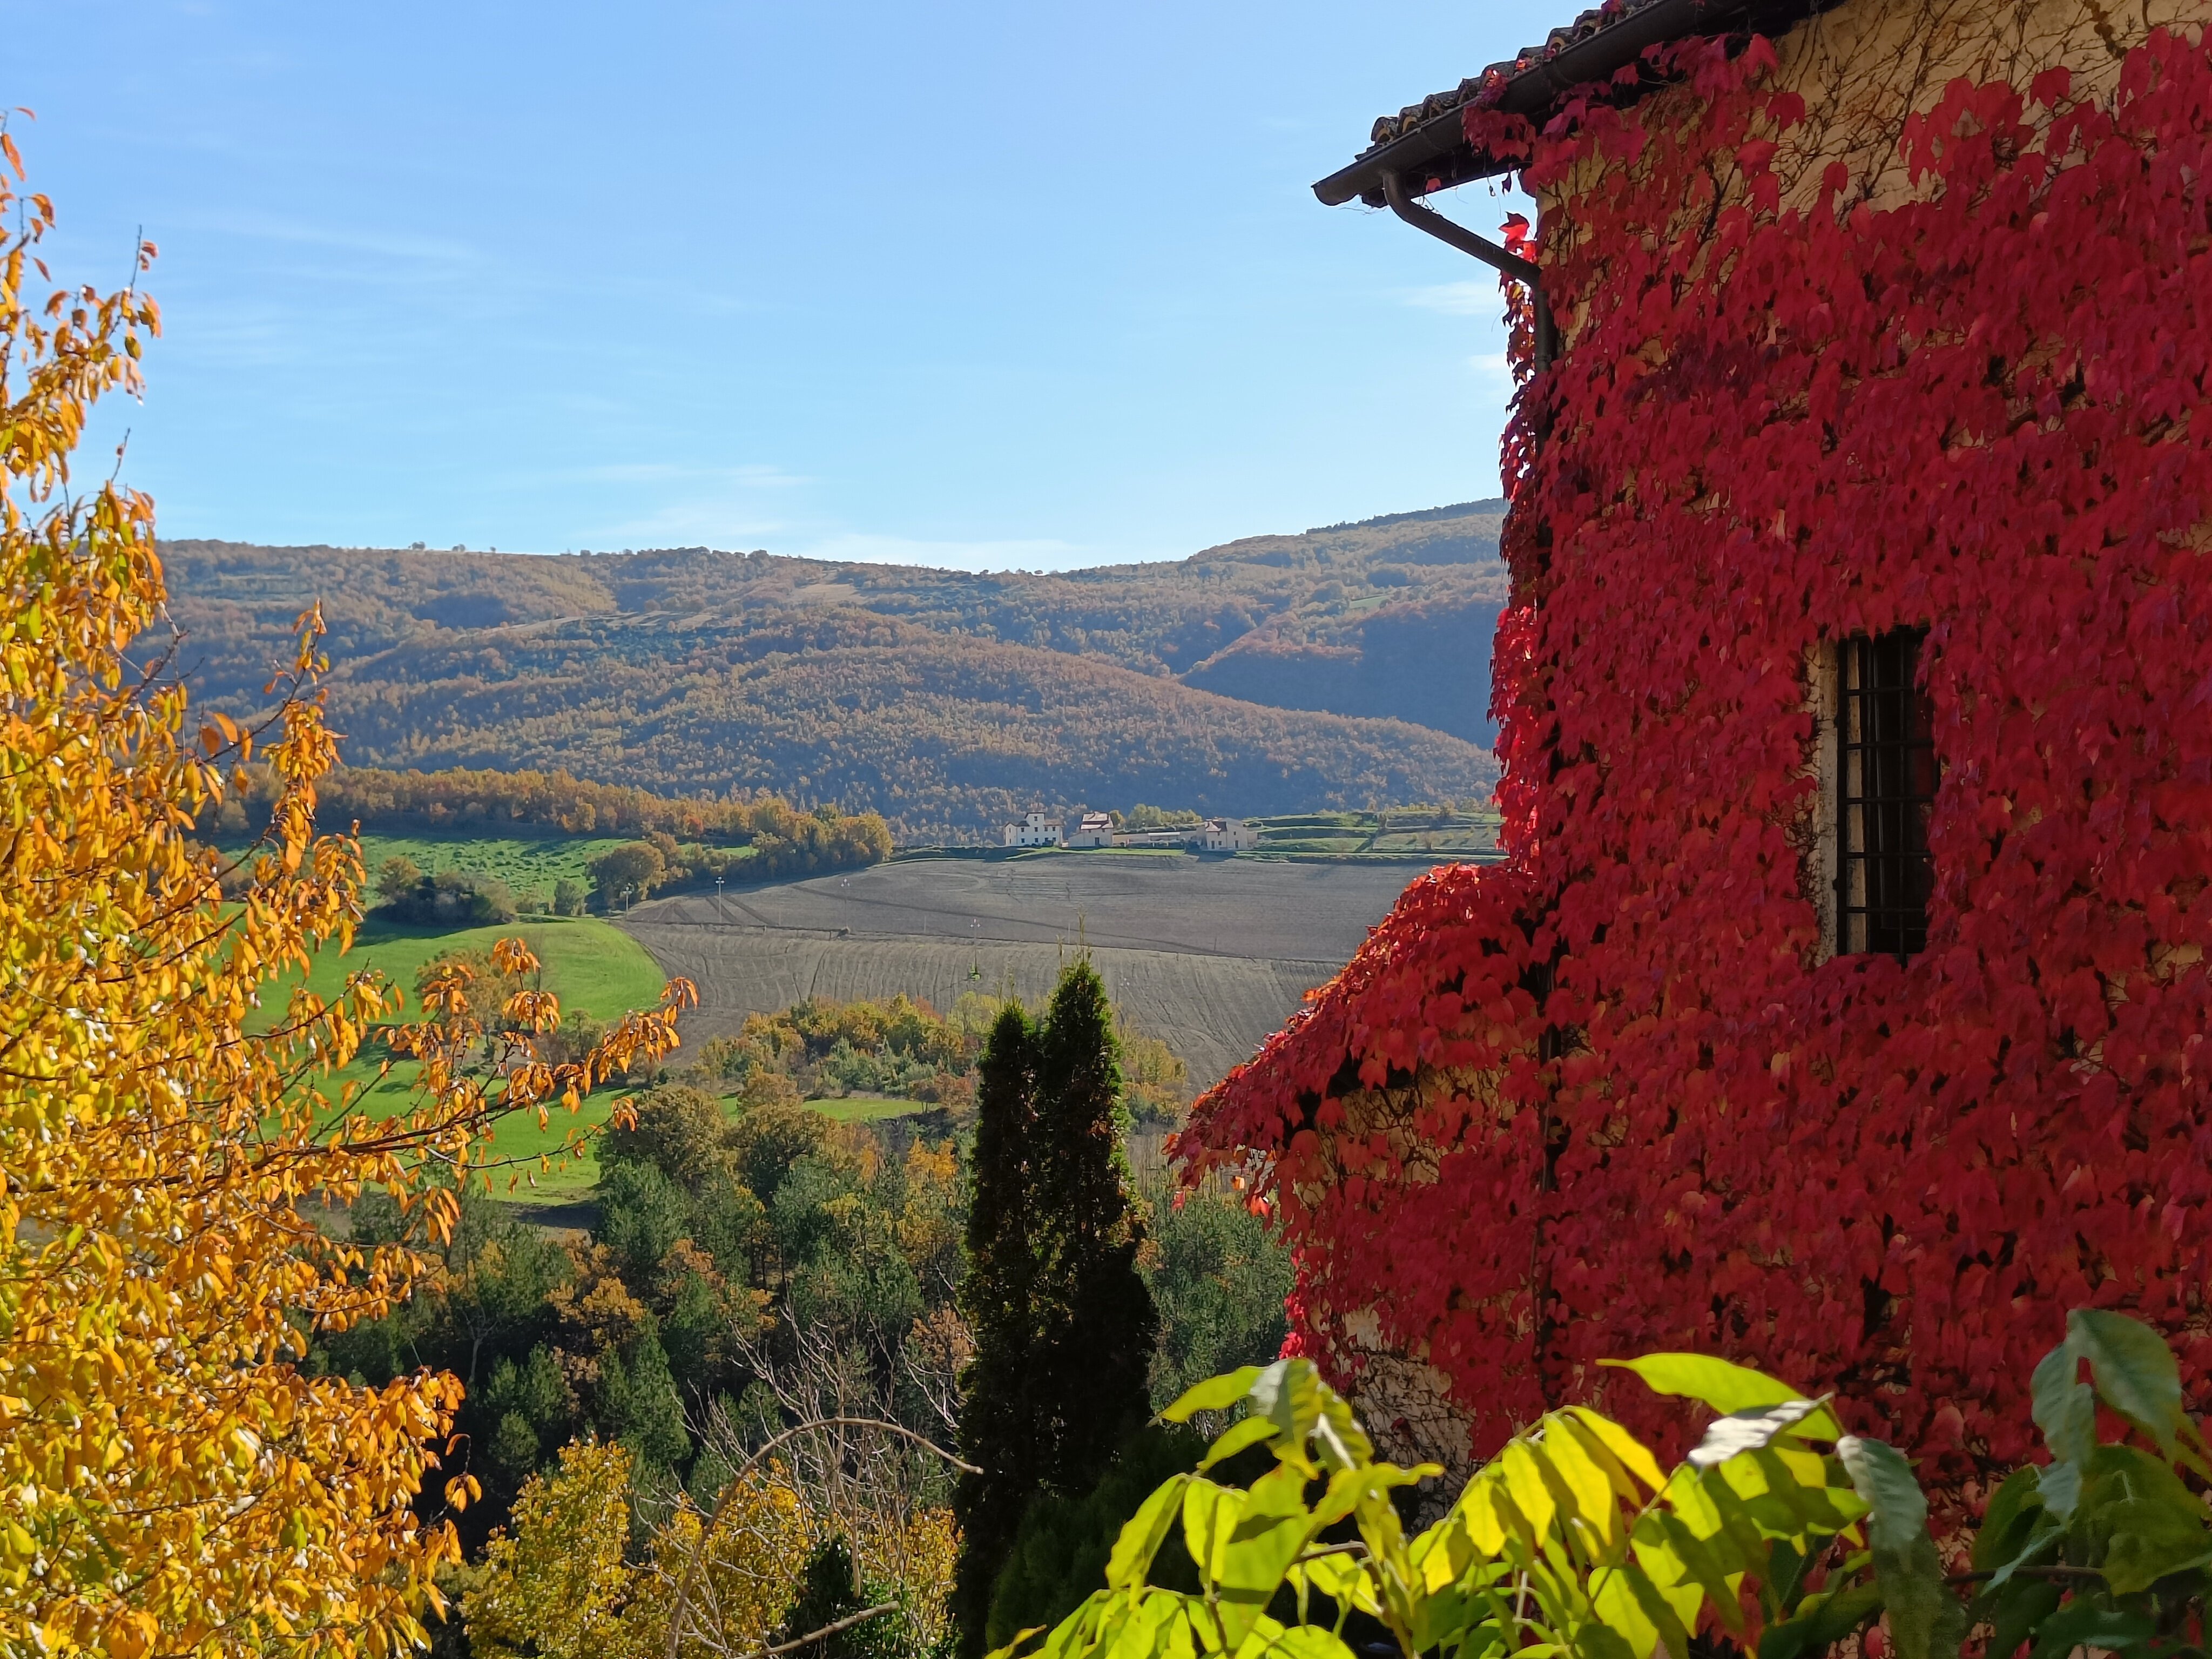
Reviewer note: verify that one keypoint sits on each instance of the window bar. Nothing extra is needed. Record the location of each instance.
(1886, 786)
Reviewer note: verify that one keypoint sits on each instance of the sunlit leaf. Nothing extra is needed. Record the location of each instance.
(1139, 1540)
(2133, 1370)
(1747, 1430)
(1216, 1394)
(1723, 1386)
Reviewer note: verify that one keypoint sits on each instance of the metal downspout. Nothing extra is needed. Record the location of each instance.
(1459, 236)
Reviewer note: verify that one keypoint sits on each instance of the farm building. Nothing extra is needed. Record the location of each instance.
(1841, 1005)
(1228, 836)
(1092, 829)
(1038, 828)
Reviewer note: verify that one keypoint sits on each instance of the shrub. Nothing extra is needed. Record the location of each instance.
(678, 1130)
(1219, 1277)
(451, 898)
(396, 878)
(1573, 1541)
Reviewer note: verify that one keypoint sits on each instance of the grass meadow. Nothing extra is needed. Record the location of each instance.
(528, 864)
(590, 965)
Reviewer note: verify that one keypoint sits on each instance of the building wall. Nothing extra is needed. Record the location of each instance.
(1619, 1095)
(1862, 70)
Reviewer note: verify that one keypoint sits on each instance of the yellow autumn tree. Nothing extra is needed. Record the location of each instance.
(733, 1574)
(171, 1481)
(554, 1583)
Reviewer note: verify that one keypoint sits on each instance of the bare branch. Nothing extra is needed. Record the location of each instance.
(825, 1632)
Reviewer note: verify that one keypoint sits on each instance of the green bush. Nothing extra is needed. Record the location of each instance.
(451, 898)
(1218, 1279)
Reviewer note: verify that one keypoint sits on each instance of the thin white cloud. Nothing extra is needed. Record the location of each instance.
(1480, 298)
(383, 245)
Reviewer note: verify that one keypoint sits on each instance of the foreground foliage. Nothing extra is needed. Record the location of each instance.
(1572, 1540)
(171, 1479)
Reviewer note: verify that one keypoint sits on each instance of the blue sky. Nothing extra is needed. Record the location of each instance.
(978, 285)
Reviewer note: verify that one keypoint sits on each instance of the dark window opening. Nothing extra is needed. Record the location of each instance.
(1885, 785)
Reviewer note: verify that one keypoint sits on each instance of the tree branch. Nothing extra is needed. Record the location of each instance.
(825, 1632)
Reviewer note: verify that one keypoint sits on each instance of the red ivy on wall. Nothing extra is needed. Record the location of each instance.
(1984, 412)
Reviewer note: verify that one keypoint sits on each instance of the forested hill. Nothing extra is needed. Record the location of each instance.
(1342, 666)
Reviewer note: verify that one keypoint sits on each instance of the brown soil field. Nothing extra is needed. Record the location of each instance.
(1208, 954)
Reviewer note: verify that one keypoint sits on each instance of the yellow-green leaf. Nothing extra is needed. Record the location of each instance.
(1723, 1386)
(1216, 1394)
(1147, 1530)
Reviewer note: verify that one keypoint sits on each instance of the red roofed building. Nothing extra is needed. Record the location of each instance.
(1841, 1005)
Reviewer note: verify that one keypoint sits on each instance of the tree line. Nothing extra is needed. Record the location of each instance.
(458, 798)
(903, 1049)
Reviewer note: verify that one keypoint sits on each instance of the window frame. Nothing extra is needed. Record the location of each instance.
(1887, 774)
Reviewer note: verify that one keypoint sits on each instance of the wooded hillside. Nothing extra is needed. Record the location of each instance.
(947, 701)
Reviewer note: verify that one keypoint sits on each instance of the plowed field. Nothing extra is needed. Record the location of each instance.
(1210, 954)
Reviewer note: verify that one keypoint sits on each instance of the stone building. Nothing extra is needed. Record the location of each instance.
(1840, 1005)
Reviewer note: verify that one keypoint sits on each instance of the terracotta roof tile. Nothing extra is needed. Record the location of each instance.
(1492, 81)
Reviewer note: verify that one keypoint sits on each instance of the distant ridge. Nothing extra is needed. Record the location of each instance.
(1495, 507)
(1344, 665)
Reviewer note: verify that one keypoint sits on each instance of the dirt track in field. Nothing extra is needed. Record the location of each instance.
(1211, 955)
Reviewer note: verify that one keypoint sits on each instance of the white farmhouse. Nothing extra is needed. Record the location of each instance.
(1038, 828)
(1229, 835)
(1092, 829)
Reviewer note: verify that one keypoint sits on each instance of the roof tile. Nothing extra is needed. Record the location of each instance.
(1485, 87)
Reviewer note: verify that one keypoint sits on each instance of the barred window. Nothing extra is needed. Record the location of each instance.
(1886, 784)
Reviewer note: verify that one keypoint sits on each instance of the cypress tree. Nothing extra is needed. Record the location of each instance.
(1064, 1326)
(1097, 1326)
(998, 1429)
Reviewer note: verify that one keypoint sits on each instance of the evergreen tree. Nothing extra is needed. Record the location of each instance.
(1098, 1326)
(829, 1590)
(637, 1400)
(1063, 1324)
(999, 1431)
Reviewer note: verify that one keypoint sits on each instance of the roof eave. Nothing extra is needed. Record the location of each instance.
(1436, 156)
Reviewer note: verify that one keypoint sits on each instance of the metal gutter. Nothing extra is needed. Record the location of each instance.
(1444, 230)
(1437, 150)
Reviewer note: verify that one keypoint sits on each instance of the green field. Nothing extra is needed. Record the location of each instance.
(867, 1108)
(528, 864)
(1415, 830)
(590, 965)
